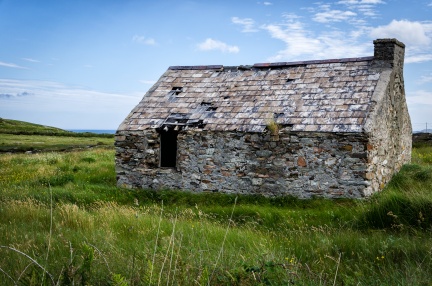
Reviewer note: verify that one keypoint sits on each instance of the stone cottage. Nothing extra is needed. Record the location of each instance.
(328, 128)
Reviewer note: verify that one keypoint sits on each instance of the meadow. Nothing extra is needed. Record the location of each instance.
(63, 221)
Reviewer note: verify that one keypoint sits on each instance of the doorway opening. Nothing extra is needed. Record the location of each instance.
(168, 153)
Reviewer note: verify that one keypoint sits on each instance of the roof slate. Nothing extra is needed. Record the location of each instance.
(322, 96)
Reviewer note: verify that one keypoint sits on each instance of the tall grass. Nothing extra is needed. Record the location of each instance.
(62, 219)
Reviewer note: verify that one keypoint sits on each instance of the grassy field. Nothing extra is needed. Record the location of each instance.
(21, 127)
(64, 222)
(9, 126)
(43, 143)
(19, 136)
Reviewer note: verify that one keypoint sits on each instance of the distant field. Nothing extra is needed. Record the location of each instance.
(8, 126)
(20, 136)
(38, 143)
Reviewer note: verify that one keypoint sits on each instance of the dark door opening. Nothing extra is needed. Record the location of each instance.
(168, 153)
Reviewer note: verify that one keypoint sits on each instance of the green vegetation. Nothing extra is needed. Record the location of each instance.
(63, 221)
(9, 126)
(18, 136)
(44, 143)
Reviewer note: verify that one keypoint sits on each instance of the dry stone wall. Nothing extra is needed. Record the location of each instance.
(302, 164)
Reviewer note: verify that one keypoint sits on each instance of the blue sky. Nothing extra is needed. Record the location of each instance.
(85, 64)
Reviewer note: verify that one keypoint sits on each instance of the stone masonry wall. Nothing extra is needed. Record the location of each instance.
(389, 125)
(302, 164)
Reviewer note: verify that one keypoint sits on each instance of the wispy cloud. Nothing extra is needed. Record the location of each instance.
(365, 7)
(209, 44)
(425, 79)
(53, 90)
(268, 3)
(418, 58)
(143, 40)
(63, 105)
(9, 95)
(31, 60)
(303, 44)
(357, 2)
(420, 97)
(247, 23)
(12, 65)
(333, 16)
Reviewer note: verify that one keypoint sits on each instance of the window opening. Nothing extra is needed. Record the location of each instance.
(290, 80)
(168, 153)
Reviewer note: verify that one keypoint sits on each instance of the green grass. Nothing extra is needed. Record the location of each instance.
(16, 127)
(44, 143)
(19, 136)
(21, 127)
(64, 211)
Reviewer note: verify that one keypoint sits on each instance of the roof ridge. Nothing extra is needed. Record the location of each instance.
(275, 64)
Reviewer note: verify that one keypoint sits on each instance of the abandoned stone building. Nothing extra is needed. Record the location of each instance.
(328, 128)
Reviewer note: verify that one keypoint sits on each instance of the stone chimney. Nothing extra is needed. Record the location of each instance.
(389, 53)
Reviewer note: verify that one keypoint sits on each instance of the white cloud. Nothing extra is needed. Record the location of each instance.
(302, 44)
(266, 3)
(62, 105)
(333, 16)
(410, 33)
(364, 7)
(367, 10)
(357, 2)
(31, 60)
(12, 65)
(9, 95)
(372, 2)
(247, 23)
(418, 58)
(420, 97)
(425, 79)
(419, 105)
(210, 44)
(143, 40)
(54, 90)
(358, 32)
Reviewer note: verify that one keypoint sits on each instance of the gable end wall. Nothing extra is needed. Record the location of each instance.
(389, 132)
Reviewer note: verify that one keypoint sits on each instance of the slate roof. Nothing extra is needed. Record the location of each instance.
(323, 96)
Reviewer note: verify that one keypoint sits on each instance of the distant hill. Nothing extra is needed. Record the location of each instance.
(424, 131)
(9, 126)
(422, 139)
